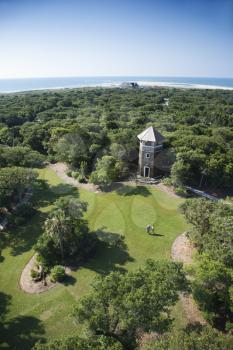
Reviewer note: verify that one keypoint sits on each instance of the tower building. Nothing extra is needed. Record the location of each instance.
(151, 143)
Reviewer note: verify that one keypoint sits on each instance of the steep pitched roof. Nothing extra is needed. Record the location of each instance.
(151, 134)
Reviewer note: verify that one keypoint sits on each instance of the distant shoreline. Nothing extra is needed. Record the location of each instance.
(29, 85)
(185, 86)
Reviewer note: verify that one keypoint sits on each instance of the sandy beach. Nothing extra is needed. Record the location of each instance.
(167, 84)
(25, 85)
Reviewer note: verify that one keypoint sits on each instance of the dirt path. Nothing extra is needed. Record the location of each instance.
(28, 285)
(61, 169)
(182, 251)
(167, 190)
(191, 311)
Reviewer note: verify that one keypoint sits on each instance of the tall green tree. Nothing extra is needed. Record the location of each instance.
(58, 227)
(77, 343)
(211, 289)
(14, 181)
(66, 233)
(19, 156)
(198, 212)
(212, 227)
(73, 147)
(191, 338)
(123, 306)
(107, 170)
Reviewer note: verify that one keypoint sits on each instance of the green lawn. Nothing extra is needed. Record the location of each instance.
(126, 212)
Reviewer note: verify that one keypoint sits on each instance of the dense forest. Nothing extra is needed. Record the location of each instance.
(95, 132)
(212, 234)
(87, 126)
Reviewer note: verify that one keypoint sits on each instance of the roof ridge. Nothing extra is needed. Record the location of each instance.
(150, 134)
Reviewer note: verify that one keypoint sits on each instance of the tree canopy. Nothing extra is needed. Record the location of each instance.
(212, 233)
(193, 337)
(66, 233)
(14, 181)
(77, 343)
(83, 125)
(123, 306)
(107, 170)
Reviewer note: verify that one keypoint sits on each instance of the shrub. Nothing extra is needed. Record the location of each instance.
(75, 174)
(190, 270)
(167, 181)
(181, 191)
(57, 273)
(35, 274)
(191, 337)
(81, 179)
(69, 173)
(51, 158)
(74, 342)
(229, 326)
(46, 252)
(209, 316)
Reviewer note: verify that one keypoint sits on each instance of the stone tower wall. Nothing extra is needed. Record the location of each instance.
(144, 161)
(151, 161)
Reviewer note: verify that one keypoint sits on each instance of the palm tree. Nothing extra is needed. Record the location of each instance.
(63, 221)
(57, 226)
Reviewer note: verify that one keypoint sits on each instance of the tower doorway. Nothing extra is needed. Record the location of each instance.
(146, 171)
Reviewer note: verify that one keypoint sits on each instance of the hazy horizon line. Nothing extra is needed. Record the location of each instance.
(116, 76)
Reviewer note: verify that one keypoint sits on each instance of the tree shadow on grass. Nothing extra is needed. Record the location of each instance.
(69, 280)
(5, 301)
(21, 238)
(111, 254)
(133, 191)
(21, 332)
(45, 194)
(2, 246)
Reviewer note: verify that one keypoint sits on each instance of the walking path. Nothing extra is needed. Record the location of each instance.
(61, 169)
(167, 189)
(182, 251)
(28, 285)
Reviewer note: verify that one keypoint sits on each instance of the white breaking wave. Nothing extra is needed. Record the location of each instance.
(114, 84)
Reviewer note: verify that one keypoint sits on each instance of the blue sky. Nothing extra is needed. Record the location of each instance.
(116, 37)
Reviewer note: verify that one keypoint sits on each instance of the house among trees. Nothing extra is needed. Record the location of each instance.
(130, 84)
(151, 143)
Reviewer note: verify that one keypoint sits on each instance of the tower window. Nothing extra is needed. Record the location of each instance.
(147, 155)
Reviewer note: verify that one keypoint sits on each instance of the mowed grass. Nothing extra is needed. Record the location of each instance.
(124, 212)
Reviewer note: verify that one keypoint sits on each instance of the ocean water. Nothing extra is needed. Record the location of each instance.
(28, 84)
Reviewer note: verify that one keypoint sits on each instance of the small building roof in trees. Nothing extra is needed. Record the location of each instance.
(151, 134)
